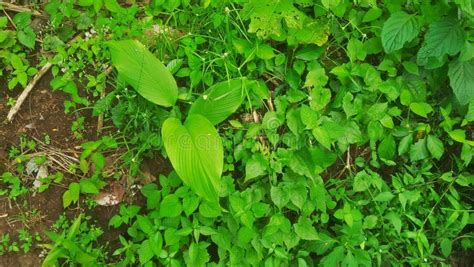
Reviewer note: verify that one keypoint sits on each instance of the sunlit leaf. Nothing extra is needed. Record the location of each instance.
(220, 100)
(144, 72)
(196, 153)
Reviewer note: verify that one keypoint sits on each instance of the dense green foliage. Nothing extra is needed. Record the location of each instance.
(301, 132)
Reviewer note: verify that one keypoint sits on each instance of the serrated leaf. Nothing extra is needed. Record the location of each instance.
(418, 151)
(461, 79)
(435, 146)
(144, 72)
(443, 37)
(170, 206)
(22, 20)
(27, 37)
(399, 29)
(196, 153)
(305, 229)
(266, 16)
(220, 100)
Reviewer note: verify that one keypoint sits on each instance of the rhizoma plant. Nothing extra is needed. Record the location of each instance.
(193, 147)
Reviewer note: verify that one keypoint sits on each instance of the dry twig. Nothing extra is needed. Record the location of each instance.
(27, 90)
(30, 86)
(15, 8)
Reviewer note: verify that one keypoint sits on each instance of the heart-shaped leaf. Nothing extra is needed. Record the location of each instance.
(196, 153)
(144, 72)
(220, 100)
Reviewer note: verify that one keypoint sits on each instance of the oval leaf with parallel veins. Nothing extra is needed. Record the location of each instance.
(220, 100)
(144, 72)
(196, 153)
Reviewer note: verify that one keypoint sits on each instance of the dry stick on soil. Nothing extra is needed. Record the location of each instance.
(15, 8)
(27, 90)
(30, 87)
(9, 19)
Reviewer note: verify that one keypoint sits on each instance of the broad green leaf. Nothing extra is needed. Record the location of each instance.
(421, 109)
(316, 78)
(411, 67)
(384, 196)
(446, 246)
(469, 117)
(372, 14)
(27, 37)
(145, 252)
(333, 258)
(370, 222)
(220, 100)
(361, 181)
(197, 255)
(196, 153)
(144, 72)
(170, 206)
(404, 145)
(435, 146)
(145, 224)
(22, 20)
(71, 195)
(395, 220)
(356, 50)
(266, 16)
(443, 37)
(265, 52)
(156, 243)
(280, 196)
(418, 151)
(320, 97)
(323, 137)
(399, 29)
(256, 166)
(387, 148)
(305, 229)
(461, 79)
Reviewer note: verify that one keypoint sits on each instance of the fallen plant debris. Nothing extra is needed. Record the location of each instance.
(237, 132)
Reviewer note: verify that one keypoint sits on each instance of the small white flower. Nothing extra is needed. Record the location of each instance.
(205, 97)
(227, 10)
